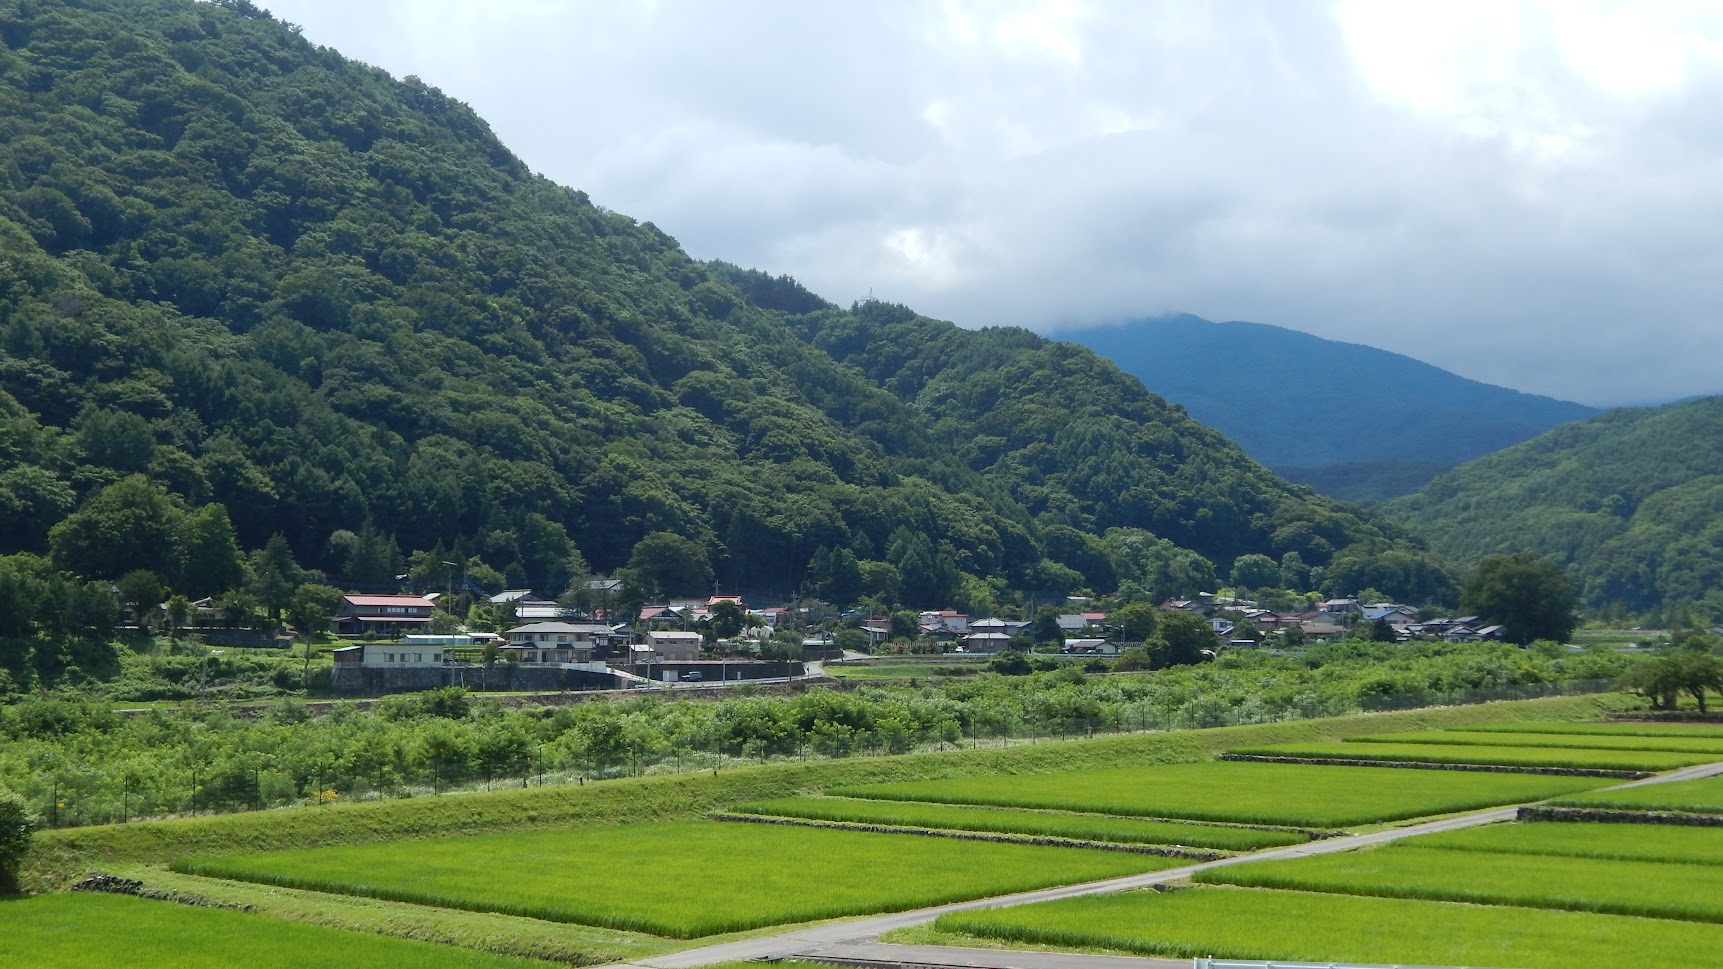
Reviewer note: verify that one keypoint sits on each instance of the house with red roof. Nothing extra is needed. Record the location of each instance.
(383, 615)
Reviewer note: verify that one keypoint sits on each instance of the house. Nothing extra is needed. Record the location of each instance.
(947, 619)
(383, 615)
(1339, 607)
(736, 601)
(1072, 623)
(986, 641)
(1221, 627)
(878, 631)
(1090, 647)
(511, 596)
(557, 642)
(672, 646)
(1394, 614)
(391, 655)
(1318, 630)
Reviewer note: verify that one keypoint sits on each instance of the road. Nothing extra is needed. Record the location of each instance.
(856, 942)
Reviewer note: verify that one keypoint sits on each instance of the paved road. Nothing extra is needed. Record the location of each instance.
(856, 941)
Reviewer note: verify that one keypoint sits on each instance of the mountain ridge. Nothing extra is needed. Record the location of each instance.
(1348, 419)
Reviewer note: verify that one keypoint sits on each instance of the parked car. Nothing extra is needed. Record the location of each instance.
(692, 675)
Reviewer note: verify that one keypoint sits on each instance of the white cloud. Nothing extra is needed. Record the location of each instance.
(1524, 191)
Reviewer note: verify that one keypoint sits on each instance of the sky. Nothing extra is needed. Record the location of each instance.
(1526, 193)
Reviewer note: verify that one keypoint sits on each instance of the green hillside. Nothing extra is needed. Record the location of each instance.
(1631, 501)
(1349, 420)
(245, 277)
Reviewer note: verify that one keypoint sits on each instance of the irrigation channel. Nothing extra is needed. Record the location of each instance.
(856, 943)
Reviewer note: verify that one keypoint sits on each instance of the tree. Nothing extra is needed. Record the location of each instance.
(1181, 640)
(1046, 627)
(1255, 571)
(211, 562)
(313, 607)
(727, 620)
(274, 576)
(17, 825)
(1525, 592)
(178, 611)
(835, 576)
(1383, 632)
(142, 590)
(667, 562)
(131, 524)
(1135, 621)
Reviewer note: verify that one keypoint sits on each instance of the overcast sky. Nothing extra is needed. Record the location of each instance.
(1529, 194)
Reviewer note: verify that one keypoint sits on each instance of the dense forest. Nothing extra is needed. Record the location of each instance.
(251, 289)
(1349, 420)
(1630, 501)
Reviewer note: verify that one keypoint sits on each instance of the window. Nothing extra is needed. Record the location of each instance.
(388, 657)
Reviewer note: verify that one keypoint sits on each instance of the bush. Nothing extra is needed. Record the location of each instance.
(17, 824)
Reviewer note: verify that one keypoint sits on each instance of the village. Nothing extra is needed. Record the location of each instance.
(719, 640)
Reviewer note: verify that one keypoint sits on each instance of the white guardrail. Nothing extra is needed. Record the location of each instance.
(1208, 963)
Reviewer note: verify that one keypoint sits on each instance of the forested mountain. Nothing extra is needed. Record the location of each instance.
(1631, 501)
(1349, 420)
(247, 280)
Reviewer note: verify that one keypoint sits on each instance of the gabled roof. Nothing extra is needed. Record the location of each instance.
(594, 628)
(375, 600)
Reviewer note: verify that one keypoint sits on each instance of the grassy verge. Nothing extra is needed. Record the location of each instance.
(1618, 760)
(1087, 827)
(1604, 841)
(1647, 888)
(1708, 746)
(77, 931)
(1702, 796)
(1249, 793)
(60, 856)
(680, 879)
(1258, 924)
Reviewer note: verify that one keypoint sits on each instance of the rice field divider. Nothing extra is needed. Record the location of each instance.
(1629, 775)
(1314, 834)
(1551, 812)
(1165, 851)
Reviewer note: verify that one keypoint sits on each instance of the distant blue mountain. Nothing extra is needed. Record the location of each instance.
(1349, 420)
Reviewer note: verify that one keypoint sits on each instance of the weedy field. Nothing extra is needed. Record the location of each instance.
(1429, 753)
(1710, 747)
(1250, 793)
(1263, 924)
(1088, 827)
(1621, 842)
(80, 931)
(680, 879)
(1648, 888)
(1607, 729)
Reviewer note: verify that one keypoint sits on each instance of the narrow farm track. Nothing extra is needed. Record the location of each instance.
(856, 942)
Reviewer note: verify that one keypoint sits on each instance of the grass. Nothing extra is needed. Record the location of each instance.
(77, 931)
(60, 856)
(1089, 827)
(1256, 924)
(1585, 759)
(1701, 796)
(1250, 793)
(1712, 745)
(1648, 888)
(1619, 842)
(1603, 729)
(680, 879)
(905, 668)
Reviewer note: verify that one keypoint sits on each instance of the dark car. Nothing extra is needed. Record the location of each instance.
(692, 675)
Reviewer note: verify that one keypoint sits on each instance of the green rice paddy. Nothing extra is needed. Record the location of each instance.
(1250, 793)
(680, 879)
(1712, 746)
(1088, 827)
(1259, 924)
(1648, 888)
(1506, 756)
(1702, 796)
(1617, 729)
(1620, 842)
(82, 931)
